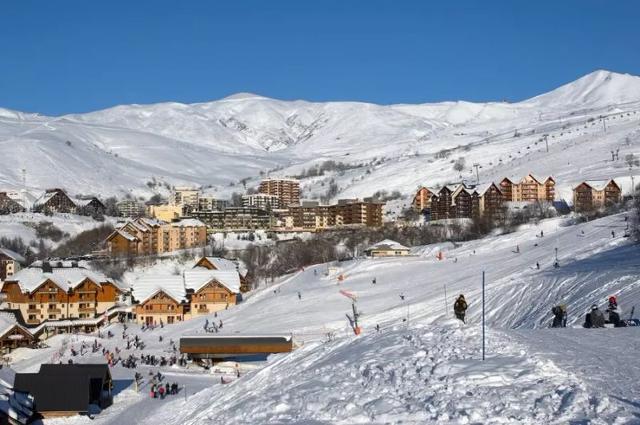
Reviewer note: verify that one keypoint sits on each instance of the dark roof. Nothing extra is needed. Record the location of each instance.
(64, 387)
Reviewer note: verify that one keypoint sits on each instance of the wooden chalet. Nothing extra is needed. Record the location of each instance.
(387, 248)
(529, 189)
(209, 291)
(9, 205)
(161, 299)
(52, 293)
(217, 263)
(12, 334)
(55, 201)
(490, 200)
(66, 389)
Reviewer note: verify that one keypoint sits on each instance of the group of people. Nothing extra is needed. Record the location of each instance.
(159, 390)
(596, 319)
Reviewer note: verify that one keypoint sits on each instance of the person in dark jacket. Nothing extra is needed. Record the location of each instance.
(558, 317)
(614, 313)
(594, 319)
(460, 307)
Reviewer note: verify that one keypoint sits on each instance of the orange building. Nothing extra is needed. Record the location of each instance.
(145, 236)
(422, 199)
(287, 190)
(594, 194)
(528, 189)
(217, 263)
(49, 293)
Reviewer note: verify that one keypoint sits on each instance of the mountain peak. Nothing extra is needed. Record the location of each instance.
(243, 96)
(596, 89)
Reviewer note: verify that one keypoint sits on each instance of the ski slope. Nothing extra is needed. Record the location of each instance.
(423, 366)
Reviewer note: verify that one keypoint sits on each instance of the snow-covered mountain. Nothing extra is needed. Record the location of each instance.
(139, 148)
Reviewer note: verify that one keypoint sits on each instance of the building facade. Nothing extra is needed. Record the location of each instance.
(422, 199)
(151, 237)
(262, 201)
(10, 263)
(236, 218)
(528, 189)
(51, 293)
(595, 194)
(55, 201)
(287, 190)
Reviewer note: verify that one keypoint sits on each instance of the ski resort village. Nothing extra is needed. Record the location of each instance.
(284, 212)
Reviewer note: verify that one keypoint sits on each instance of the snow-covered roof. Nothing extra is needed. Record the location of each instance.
(198, 277)
(188, 222)
(597, 184)
(221, 263)
(31, 278)
(13, 255)
(146, 286)
(387, 244)
(482, 189)
(62, 263)
(7, 322)
(124, 234)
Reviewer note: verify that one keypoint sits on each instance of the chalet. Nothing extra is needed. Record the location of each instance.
(89, 206)
(10, 263)
(9, 205)
(529, 189)
(50, 294)
(54, 201)
(387, 248)
(209, 291)
(595, 194)
(422, 199)
(217, 263)
(13, 334)
(160, 298)
(455, 201)
(66, 389)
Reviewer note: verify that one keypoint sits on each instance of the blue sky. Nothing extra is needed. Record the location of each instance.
(77, 56)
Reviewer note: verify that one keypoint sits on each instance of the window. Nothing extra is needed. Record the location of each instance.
(52, 317)
(33, 317)
(52, 306)
(32, 306)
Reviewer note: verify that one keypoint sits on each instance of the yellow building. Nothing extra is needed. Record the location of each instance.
(165, 212)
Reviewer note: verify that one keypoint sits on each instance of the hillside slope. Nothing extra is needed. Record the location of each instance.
(129, 148)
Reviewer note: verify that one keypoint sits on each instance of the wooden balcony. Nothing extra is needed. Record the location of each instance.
(33, 311)
(54, 311)
(87, 310)
(33, 321)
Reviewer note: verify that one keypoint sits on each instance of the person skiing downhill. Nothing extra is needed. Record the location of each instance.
(460, 308)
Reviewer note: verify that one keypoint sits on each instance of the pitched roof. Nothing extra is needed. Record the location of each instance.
(597, 184)
(482, 189)
(7, 322)
(31, 278)
(221, 263)
(188, 222)
(388, 244)
(13, 255)
(146, 286)
(197, 278)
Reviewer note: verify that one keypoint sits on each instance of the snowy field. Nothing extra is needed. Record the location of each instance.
(423, 366)
(22, 225)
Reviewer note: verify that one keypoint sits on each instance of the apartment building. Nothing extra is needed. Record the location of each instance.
(528, 189)
(10, 263)
(595, 194)
(236, 218)
(262, 201)
(50, 293)
(145, 236)
(287, 190)
(422, 199)
(186, 196)
(130, 208)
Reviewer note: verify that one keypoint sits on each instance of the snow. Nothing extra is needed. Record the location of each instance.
(139, 149)
(423, 366)
(31, 278)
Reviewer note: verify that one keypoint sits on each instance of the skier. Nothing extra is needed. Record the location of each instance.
(613, 233)
(537, 265)
(517, 249)
(377, 327)
(541, 233)
(594, 319)
(460, 308)
(299, 296)
(374, 281)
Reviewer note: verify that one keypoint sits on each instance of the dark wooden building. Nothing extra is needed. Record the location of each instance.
(67, 389)
(55, 201)
(221, 347)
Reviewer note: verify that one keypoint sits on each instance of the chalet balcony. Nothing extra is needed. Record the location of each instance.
(54, 311)
(33, 321)
(87, 310)
(202, 310)
(33, 311)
